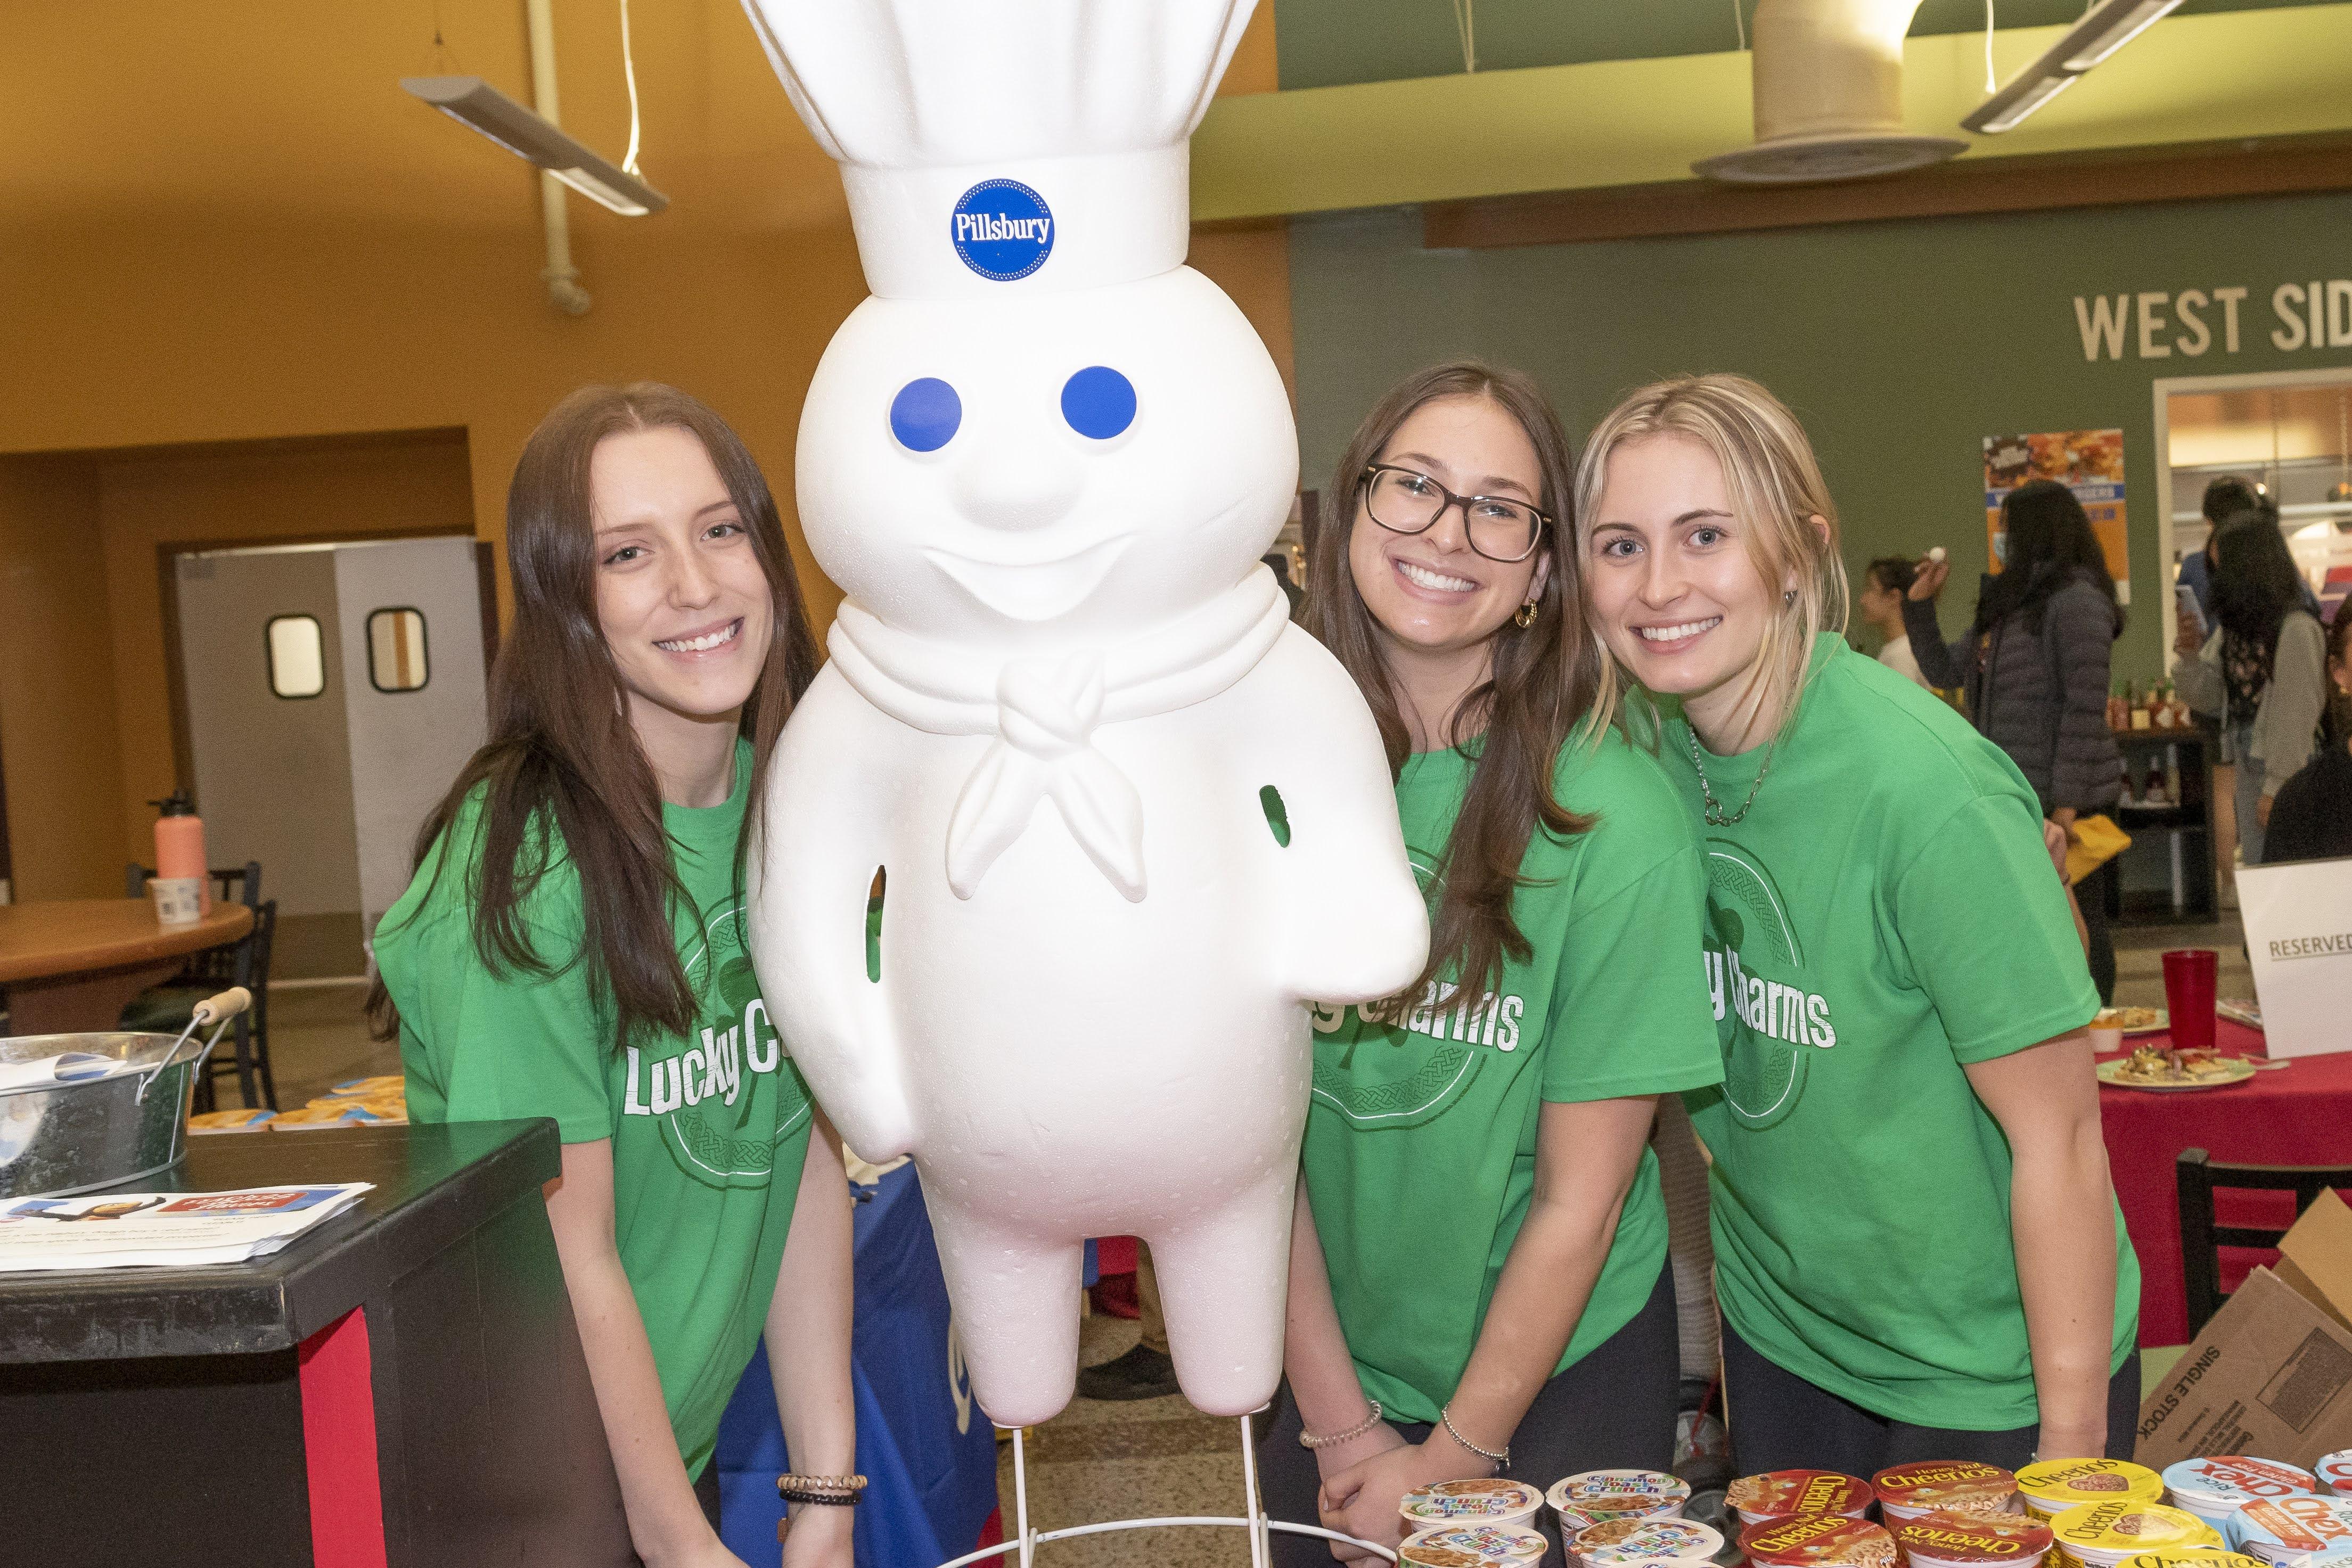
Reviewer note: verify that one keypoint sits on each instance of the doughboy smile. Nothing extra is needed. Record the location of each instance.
(1039, 588)
(716, 637)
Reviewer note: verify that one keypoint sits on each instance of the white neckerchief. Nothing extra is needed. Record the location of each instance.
(1043, 712)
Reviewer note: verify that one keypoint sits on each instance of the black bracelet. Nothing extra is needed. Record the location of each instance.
(823, 1499)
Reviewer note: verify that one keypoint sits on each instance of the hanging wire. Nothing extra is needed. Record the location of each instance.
(1740, 22)
(1992, 82)
(444, 56)
(1466, 27)
(629, 73)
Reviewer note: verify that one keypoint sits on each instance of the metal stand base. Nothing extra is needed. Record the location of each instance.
(1025, 1541)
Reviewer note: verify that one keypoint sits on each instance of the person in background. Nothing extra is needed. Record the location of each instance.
(1916, 1247)
(2036, 663)
(1884, 582)
(2312, 817)
(576, 920)
(1479, 1275)
(2262, 671)
(2226, 497)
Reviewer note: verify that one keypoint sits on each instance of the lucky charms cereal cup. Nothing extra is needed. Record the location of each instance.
(1818, 1541)
(1597, 1495)
(1945, 1485)
(1660, 1542)
(2335, 1470)
(2050, 1488)
(1473, 1546)
(2216, 1486)
(2102, 1534)
(1491, 1501)
(1778, 1494)
(1970, 1541)
(2282, 1529)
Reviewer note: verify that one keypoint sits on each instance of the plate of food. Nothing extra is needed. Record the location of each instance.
(2132, 1020)
(2153, 1068)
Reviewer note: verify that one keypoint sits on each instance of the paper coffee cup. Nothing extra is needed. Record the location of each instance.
(179, 900)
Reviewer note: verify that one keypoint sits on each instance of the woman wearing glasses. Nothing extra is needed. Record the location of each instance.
(1479, 1266)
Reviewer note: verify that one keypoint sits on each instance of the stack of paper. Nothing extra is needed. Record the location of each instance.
(120, 1230)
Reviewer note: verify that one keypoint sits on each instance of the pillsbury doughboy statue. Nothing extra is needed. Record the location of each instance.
(1129, 818)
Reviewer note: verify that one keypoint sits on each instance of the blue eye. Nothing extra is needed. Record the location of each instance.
(1099, 402)
(925, 414)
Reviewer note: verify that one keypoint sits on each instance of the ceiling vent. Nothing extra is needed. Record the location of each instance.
(1829, 96)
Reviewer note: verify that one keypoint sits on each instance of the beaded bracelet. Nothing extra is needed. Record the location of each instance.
(1501, 1461)
(1309, 1440)
(821, 1499)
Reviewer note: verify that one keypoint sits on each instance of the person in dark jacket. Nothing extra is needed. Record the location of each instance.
(2036, 663)
(2311, 819)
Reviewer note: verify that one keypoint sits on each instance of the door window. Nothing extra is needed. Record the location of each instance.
(298, 661)
(396, 650)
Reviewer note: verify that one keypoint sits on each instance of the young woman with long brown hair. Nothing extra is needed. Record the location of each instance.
(1478, 1269)
(1917, 1253)
(571, 947)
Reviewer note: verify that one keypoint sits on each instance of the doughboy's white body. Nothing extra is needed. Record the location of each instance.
(1130, 822)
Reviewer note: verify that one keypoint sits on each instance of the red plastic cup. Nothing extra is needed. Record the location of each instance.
(2188, 984)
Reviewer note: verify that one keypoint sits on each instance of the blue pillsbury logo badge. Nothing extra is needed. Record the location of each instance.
(1002, 229)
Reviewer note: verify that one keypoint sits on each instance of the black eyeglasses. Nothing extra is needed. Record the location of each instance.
(1407, 501)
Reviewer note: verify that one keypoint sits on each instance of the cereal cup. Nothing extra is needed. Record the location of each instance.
(1473, 1546)
(1658, 1540)
(2279, 1531)
(368, 1088)
(1778, 1494)
(1818, 1541)
(253, 1121)
(2215, 1487)
(1492, 1500)
(1945, 1485)
(1970, 1541)
(2102, 1534)
(2336, 1471)
(2050, 1488)
(344, 1114)
(1597, 1495)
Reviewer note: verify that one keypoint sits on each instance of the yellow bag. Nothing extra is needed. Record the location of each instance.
(2095, 840)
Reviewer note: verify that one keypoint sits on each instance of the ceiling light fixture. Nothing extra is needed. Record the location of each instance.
(478, 106)
(2108, 27)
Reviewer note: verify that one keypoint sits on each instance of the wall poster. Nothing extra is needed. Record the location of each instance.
(2088, 462)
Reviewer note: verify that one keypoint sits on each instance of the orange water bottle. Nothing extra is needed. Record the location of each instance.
(180, 846)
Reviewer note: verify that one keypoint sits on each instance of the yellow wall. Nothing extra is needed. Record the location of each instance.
(311, 253)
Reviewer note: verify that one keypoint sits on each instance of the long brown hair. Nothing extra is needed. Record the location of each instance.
(1544, 680)
(561, 752)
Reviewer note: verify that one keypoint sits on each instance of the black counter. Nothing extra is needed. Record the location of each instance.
(221, 1415)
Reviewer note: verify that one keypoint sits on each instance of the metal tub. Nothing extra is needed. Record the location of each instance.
(62, 1138)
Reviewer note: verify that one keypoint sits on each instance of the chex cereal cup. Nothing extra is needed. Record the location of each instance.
(2050, 1488)
(2102, 1534)
(1818, 1541)
(1492, 1500)
(1945, 1485)
(2281, 1530)
(2336, 1471)
(1659, 1541)
(1970, 1541)
(2215, 1487)
(1473, 1546)
(1778, 1494)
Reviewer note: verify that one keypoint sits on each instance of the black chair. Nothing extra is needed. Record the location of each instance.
(165, 1009)
(2201, 1241)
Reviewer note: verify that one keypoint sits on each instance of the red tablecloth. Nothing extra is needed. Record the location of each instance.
(2298, 1115)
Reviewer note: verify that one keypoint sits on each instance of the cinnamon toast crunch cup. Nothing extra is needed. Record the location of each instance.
(1597, 1495)
(1491, 1501)
(1658, 1541)
(1473, 1546)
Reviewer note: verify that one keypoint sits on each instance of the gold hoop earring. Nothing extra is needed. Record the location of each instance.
(1526, 615)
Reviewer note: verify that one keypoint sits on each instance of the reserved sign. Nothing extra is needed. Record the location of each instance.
(2299, 935)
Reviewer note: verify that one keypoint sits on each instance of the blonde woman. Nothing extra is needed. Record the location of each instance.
(1917, 1250)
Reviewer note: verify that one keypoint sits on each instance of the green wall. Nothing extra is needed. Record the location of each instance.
(1901, 345)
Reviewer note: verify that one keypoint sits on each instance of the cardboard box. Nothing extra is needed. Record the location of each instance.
(2272, 1373)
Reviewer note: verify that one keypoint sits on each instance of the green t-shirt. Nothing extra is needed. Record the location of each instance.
(1883, 916)
(708, 1131)
(1421, 1143)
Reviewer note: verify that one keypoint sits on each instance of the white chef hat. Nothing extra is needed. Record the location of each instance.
(986, 143)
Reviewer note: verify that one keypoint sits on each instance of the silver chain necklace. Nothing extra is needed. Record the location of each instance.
(1715, 817)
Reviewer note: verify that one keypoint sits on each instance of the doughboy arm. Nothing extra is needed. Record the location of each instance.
(809, 878)
(1359, 929)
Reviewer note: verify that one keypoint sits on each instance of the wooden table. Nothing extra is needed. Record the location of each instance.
(71, 965)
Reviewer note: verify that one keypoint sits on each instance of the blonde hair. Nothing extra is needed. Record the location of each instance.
(1775, 485)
